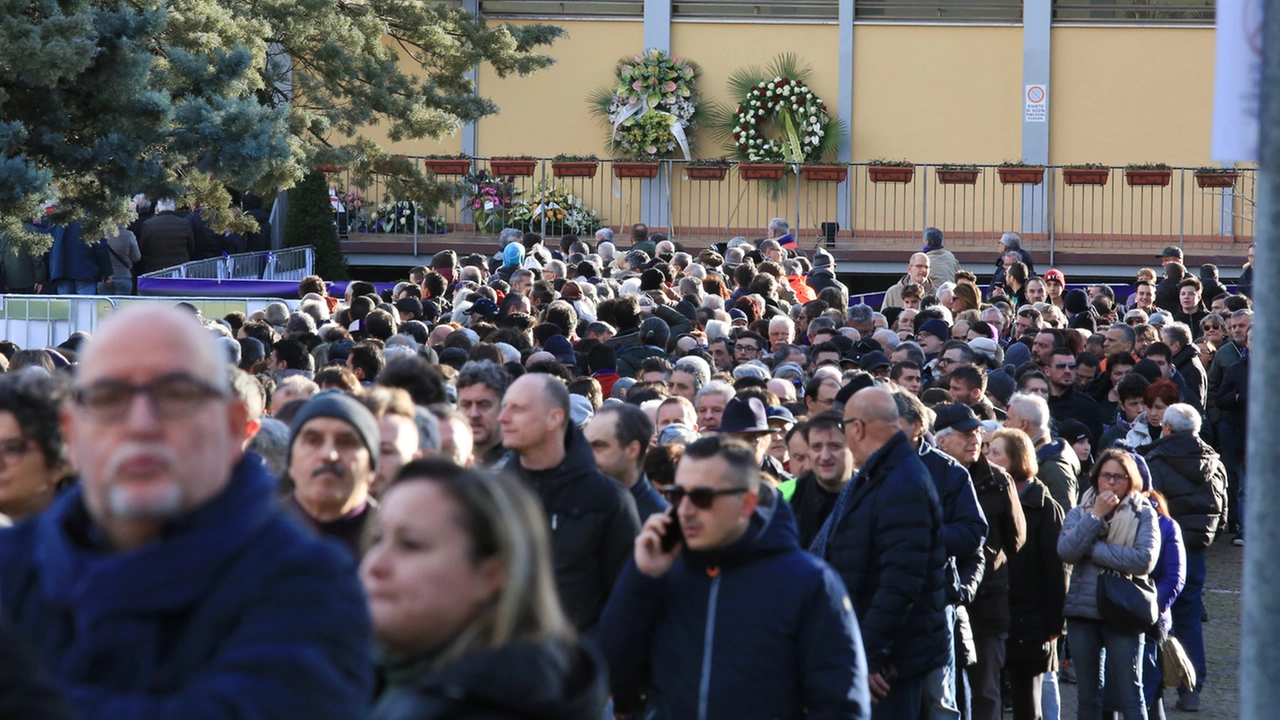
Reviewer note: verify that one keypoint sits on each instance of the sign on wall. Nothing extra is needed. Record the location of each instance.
(1036, 100)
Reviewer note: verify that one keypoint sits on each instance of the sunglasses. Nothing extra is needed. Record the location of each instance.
(1065, 366)
(701, 497)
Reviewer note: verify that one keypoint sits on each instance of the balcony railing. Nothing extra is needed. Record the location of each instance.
(1108, 212)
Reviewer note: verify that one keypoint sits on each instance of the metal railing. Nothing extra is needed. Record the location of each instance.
(288, 264)
(972, 205)
(33, 321)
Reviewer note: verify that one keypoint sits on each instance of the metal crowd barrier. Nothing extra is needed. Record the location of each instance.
(33, 321)
(290, 264)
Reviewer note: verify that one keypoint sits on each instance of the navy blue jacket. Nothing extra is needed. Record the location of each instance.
(760, 629)
(237, 612)
(71, 258)
(648, 499)
(887, 547)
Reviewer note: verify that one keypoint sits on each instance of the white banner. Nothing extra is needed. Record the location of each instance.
(1237, 81)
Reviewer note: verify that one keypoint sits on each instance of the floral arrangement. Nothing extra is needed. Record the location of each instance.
(390, 218)
(778, 117)
(564, 212)
(489, 198)
(653, 108)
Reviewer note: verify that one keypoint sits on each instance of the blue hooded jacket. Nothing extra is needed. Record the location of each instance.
(237, 612)
(71, 258)
(759, 629)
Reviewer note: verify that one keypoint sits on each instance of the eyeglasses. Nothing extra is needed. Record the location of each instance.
(1065, 366)
(13, 449)
(1113, 478)
(747, 348)
(173, 397)
(850, 421)
(701, 497)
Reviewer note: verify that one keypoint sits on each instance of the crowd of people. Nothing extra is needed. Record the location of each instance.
(161, 235)
(606, 477)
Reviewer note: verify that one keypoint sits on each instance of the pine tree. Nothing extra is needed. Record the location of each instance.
(310, 221)
(102, 99)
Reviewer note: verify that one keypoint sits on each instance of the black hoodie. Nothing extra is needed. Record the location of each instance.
(593, 527)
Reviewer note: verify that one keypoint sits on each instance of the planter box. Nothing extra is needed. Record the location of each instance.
(958, 177)
(1156, 178)
(574, 169)
(1085, 177)
(891, 173)
(706, 172)
(824, 173)
(1217, 180)
(513, 168)
(448, 167)
(642, 170)
(1021, 175)
(761, 171)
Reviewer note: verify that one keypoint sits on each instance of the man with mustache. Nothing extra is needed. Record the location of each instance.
(333, 452)
(168, 582)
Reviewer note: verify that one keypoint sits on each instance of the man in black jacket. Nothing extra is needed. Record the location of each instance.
(832, 466)
(24, 694)
(1065, 401)
(884, 537)
(1186, 358)
(959, 435)
(166, 239)
(1194, 481)
(593, 519)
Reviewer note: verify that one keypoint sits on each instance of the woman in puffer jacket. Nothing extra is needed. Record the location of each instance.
(1115, 528)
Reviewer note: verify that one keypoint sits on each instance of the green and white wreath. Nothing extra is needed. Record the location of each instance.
(652, 109)
(778, 117)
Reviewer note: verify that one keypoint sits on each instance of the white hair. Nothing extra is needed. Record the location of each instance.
(165, 205)
(717, 387)
(780, 226)
(509, 352)
(717, 329)
(714, 302)
(1181, 417)
(752, 368)
(781, 320)
(394, 351)
(887, 338)
(604, 235)
(1034, 410)
(696, 270)
(733, 256)
(606, 250)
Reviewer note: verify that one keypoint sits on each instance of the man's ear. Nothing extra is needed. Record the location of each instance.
(749, 503)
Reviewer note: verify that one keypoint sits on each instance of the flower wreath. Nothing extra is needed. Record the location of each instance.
(779, 94)
(792, 105)
(653, 106)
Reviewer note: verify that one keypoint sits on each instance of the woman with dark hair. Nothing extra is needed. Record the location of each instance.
(1114, 528)
(463, 600)
(965, 296)
(1169, 576)
(1037, 578)
(1147, 428)
(33, 455)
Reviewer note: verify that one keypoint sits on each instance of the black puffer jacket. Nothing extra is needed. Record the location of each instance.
(518, 681)
(593, 527)
(887, 547)
(1192, 478)
(1037, 583)
(24, 693)
(1006, 534)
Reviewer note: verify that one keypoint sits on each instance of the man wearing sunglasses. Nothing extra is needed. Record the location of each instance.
(684, 624)
(173, 543)
(1066, 401)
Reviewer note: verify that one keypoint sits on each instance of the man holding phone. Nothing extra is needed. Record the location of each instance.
(733, 619)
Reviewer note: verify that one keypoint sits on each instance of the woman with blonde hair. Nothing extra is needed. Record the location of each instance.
(1037, 578)
(460, 587)
(1114, 528)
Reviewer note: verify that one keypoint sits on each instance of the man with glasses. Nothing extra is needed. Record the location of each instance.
(884, 537)
(684, 622)
(917, 274)
(747, 347)
(1066, 401)
(173, 545)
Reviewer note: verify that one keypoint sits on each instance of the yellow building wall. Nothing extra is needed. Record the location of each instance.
(937, 94)
(1130, 95)
(546, 114)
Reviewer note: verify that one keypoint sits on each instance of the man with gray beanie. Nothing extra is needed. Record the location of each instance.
(333, 456)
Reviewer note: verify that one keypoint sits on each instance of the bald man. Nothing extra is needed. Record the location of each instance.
(185, 584)
(593, 519)
(917, 273)
(884, 537)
